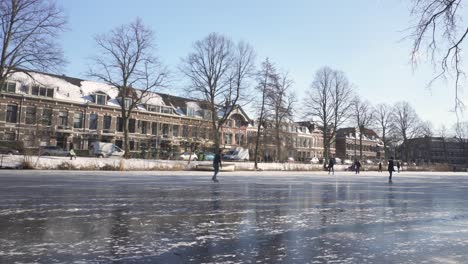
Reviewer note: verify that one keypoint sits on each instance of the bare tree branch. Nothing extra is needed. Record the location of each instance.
(28, 37)
(126, 61)
(438, 33)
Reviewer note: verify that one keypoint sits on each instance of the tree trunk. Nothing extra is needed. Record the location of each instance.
(257, 140)
(360, 145)
(278, 144)
(126, 143)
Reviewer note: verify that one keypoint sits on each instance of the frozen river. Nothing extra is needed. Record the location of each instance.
(265, 217)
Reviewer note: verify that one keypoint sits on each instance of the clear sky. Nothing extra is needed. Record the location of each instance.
(362, 38)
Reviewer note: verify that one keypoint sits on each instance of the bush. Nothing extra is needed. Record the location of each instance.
(66, 166)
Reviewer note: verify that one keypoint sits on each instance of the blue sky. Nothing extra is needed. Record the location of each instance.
(364, 39)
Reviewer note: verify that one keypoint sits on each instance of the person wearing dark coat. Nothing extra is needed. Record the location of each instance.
(380, 166)
(390, 169)
(331, 163)
(216, 165)
(357, 166)
(398, 166)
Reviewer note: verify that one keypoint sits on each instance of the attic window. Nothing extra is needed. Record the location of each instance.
(153, 108)
(9, 87)
(100, 98)
(166, 110)
(190, 111)
(42, 91)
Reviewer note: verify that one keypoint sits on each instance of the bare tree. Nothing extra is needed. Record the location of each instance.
(265, 78)
(439, 32)
(125, 60)
(328, 100)
(219, 72)
(384, 118)
(280, 102)
(363, 118)
(406, 124)
(29, 36)
(461, 134)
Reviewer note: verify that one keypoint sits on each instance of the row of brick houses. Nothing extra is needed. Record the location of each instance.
(56, 110)
(429, 150)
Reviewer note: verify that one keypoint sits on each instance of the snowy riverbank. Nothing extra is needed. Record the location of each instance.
(89, 163)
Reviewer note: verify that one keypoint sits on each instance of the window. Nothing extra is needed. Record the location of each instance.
(190, 111)
(166, 110)
(131, 125)
(47, 116)
(93, 120)
(194, 132)
(63, 119)
(227, 139)
(12, 112)
(127, 103)
(165, 129)
(42, 91)
(31, 115)
(119, 124)
(101, 99)
(107, 121)
(153, 108)
(144, 127)
(185, 131)
(9, 136)
(239, 139)
(203, 132)
(78, 120)
(9, 87)
(154, 128)
(175, 130)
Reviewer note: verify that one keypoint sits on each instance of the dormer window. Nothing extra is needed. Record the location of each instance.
(153, 108)
(190, 111)
(9, 87)
(100, 98)
(42, 91)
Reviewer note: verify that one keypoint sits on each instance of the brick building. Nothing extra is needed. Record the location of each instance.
(428, 150)
(347, 144)
(58, 110)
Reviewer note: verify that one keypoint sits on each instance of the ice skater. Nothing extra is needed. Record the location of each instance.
(357, 166)
(398, 166)
(216, 165)
(380, 166)
(331, 163)
(390, 169)
(71, 152)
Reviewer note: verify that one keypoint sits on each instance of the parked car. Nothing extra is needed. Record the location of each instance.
(209, 156)
(8, 150)
(105, 150)
(348, 162)
(187, 156)
(290, 159)
(53, 151)
(237, 154)
(313, 160)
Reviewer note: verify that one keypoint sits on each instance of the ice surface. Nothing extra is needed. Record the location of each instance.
(249, 217)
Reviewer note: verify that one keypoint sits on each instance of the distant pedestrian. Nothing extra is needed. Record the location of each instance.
(398, 166)
(71, 152)
(391, 169)
(357, 166)
(216, 165)
(380, 166)
(331, 163)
